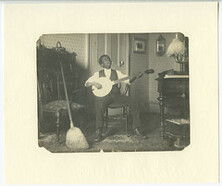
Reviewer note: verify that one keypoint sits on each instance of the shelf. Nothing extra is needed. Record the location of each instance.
(179, 121)
(175, 76)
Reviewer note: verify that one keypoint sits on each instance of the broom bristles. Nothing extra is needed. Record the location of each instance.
(75, 139)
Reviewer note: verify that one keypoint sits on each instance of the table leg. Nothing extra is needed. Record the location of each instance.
(162, 127)
(57, 124)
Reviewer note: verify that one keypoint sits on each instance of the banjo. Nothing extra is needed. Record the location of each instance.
(107, 84)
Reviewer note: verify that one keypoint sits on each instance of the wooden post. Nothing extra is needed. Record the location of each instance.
(161, 104)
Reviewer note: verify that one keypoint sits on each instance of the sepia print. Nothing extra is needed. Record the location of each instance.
(113, 92)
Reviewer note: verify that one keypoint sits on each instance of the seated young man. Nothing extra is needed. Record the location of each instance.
(114, 96)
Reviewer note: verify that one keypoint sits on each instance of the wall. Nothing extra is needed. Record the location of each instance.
(77, 43)
(159, 64)
(72, 42)
(89, 47)
(115, 45)
(138, 63)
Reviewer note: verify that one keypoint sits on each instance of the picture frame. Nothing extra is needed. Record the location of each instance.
(139, 46)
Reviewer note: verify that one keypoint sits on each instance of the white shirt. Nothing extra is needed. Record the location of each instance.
(107, 72)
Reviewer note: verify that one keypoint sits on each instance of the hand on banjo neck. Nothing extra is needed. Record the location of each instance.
(104, 85)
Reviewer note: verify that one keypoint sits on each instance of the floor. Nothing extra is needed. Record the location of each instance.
(116, 140)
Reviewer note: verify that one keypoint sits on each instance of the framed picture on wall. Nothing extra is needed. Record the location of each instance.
(139, 45)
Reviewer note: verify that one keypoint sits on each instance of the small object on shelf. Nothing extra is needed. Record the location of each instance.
(180, 121)
(181, 143)
(178, 129)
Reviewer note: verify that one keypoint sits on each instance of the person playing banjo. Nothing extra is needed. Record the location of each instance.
(107, 92)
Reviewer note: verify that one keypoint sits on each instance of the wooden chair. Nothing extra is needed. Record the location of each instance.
(51, 102)
(124, 115)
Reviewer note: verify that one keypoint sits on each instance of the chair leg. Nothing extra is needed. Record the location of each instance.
(39, 125)
(106, 118)
(124, 111)
(126, 125)
(40, 121)
(57, 124)
(127, 119)
(39, 128)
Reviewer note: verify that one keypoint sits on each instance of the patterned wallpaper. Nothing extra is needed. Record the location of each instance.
(77, 43)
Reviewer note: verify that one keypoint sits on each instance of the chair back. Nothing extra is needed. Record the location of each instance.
(48, 85)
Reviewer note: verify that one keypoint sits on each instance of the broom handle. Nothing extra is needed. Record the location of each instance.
(67, 99)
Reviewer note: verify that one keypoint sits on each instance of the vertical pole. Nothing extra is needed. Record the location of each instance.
(162, 127)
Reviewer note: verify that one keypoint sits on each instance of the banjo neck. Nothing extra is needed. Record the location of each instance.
(137, 76)
(122, 79)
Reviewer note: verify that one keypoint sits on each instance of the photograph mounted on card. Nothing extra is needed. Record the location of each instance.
(139, 46)
(161, 124)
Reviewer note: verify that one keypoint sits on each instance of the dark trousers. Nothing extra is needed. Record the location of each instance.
(102, 103)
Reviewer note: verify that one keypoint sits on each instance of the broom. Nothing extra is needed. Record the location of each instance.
(75, 139)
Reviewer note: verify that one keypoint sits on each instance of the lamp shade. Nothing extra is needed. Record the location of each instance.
(176, 48)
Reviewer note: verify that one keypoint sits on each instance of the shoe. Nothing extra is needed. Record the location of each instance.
(136, 132)
(98, 137)
(106, 133)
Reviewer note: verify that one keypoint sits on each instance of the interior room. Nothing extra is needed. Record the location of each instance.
(158, 61)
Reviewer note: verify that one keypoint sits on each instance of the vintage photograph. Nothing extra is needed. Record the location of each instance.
(113, 92)
(110, 92)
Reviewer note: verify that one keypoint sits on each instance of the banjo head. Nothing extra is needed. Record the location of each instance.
(106, 87)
